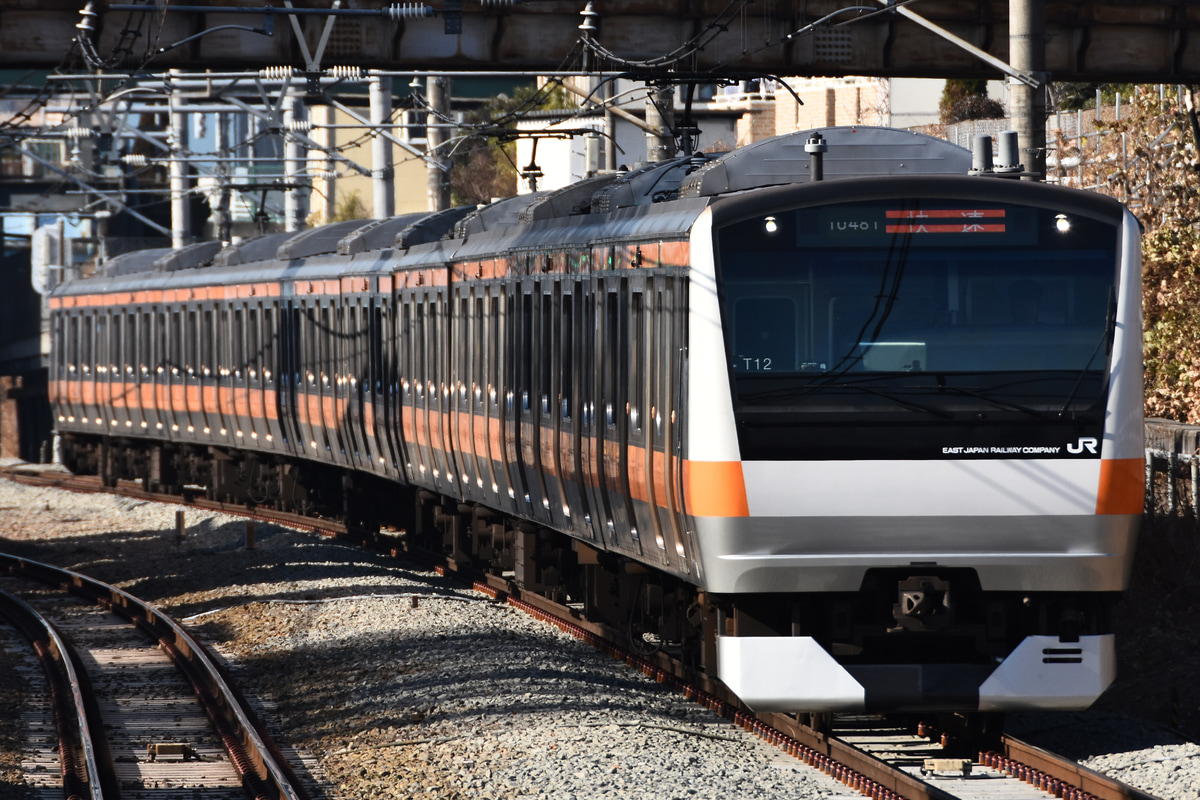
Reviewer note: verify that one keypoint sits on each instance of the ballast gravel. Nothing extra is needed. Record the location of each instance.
(398, 683)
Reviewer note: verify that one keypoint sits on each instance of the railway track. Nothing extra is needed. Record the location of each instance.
(877, 758)
(126, 722)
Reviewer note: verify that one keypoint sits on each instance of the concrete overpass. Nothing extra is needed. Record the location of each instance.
(1092, 40)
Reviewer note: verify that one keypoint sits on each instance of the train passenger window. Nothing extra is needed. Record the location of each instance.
(567, 357)
(145, 354)
(526, 376)
(637, 368)
(612, 351)
(161, 357)
(325, 340)
(510, 364)
(207, 359)
(546, 357)
(418, 356)
(130, 343)
(494, 351)
(89, 334)
(114, 343)
(252, 345)
(479, 342)
(465, 337)
(223, 366)
(268, 344)
(190, 340)
(176, 342)
(101, 341)
(73, 343)
(238, 342)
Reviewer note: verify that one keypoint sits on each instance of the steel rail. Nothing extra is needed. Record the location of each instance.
(262, 774)
(81, 768)
(1095, 783)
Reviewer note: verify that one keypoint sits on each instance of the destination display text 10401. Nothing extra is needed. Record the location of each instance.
(954, 224)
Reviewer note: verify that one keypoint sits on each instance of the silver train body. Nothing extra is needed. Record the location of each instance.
(886, 427)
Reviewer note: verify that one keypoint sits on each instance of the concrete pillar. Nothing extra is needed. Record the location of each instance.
(437, 92)
(660, 113)
(293, 166)
(383, 174)
(222, 221)
(177, 171)
(1027, 50)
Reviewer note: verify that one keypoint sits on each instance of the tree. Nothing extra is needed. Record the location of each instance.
(964, 99)
(1148, 160)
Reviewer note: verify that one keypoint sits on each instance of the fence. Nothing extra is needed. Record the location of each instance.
(1171, 446)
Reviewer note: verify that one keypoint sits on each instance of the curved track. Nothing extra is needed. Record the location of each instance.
(254, 770)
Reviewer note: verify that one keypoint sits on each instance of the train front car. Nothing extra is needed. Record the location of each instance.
(935, 409)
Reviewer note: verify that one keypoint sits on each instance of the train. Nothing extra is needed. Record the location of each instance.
(843, 419)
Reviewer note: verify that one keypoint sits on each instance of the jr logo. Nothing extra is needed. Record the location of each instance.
(1085, 443)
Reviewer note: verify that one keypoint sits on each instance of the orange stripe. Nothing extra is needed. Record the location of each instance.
(715, 489)
(1122, 486)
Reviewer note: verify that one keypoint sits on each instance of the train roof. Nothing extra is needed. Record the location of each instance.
(657, 199)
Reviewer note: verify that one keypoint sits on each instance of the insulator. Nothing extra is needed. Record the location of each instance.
(399, 11)
(134, 160)
(79, 132)
(345, 73)
(323, 174)
(298, 125)
(275, 73)
(496, 3)
(88, 23)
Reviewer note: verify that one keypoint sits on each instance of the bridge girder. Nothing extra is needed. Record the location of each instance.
(1105, 40)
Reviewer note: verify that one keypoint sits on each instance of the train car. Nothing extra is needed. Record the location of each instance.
(866, 442)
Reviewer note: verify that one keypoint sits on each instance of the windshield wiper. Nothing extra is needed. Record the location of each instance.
(1110, 327)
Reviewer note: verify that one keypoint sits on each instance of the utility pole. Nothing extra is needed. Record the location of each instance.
(1027, 50)
(437, 92)
(383, 173)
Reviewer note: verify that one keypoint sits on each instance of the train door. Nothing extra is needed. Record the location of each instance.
(493, 395)
(267, 425)
(440, 404)
(308, 404)
(529, 401)
(668, 383)
(513, 386)
(360, 384)
(174, 373)
(551, 343)
(104, 398)
(150, 353)
(286, 373)
(131, 374)
(422, 387)
(385, 390)
(344, 343)
(639, 422)
(462, 391)
(572, 361)
(614, 394)
(591, 429)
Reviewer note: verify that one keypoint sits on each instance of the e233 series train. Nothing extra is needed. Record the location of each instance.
(871, 442)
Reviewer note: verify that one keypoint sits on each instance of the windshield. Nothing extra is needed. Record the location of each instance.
(938, 309)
